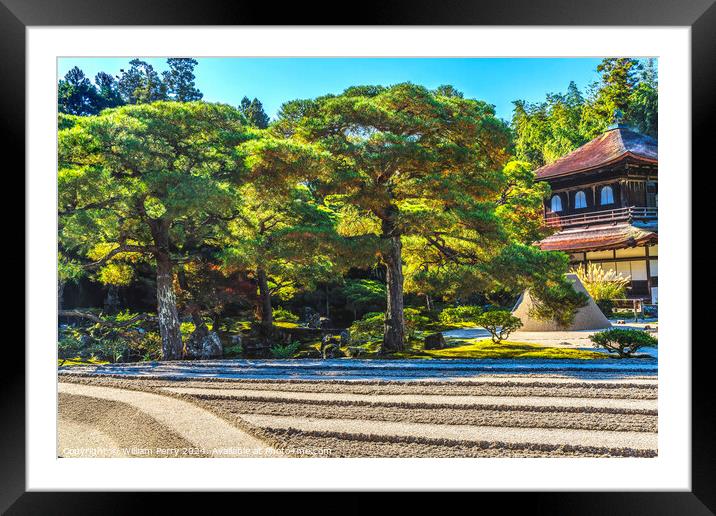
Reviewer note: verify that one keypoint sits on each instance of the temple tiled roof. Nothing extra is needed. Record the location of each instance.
(597, 238)
(607, 148)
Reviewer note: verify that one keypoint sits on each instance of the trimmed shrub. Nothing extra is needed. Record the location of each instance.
(372, 325)
(460, 314)
(500, 324)
(282, 315)
(415, 321)
(623, 342)
(606, 306)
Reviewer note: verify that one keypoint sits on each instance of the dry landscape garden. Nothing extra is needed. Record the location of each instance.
(342, 279)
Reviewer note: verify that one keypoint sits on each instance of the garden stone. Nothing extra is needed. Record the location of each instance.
(434, 341)
(235, 340)
(325, 322)
(330, 346)
(311, 318)
(211, 346)
(345, 337)
(204, 344)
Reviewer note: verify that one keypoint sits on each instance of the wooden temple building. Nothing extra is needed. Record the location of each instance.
(604, 207)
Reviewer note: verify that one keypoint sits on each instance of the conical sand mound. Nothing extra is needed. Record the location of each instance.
(589, 317)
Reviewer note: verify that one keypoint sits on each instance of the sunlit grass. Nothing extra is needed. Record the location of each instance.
(78, 361)
(506, 349)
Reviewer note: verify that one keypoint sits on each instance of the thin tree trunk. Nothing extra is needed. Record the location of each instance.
(111, 300)
(60, 294)
(394, 333)
(167, 315)
(266, 310)
(216, 322)
(328, 304)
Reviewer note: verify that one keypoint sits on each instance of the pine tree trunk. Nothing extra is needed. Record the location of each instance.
(266, 310)
(168, 316)
(394, 332)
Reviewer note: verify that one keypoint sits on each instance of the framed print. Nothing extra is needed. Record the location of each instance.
(415, 252)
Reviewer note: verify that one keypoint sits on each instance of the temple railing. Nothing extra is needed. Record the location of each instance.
(629, 214)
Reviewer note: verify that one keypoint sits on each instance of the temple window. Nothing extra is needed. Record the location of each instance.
(580, 200)
(607, 196)
(556, 203)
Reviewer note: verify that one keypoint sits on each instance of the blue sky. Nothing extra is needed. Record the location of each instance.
(273, 81)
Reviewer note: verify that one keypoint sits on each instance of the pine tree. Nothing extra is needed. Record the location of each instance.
(108, 91)
(76, 95)
(424, 174)
(141, 84)
(179, 79)
(149, 183)
(254, 112)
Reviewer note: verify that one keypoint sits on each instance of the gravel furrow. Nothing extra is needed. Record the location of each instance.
(486, 415)
(636, 388)
(326, 444)
(425, 399)
(460, 433)
(446, 416)
(583, 390)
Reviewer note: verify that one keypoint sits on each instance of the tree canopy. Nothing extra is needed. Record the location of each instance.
(139, 84)
(149, 182)
(424, 173)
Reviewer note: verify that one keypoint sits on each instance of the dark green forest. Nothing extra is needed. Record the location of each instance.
(190, 229)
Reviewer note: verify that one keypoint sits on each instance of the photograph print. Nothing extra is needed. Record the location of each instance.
(357, 257)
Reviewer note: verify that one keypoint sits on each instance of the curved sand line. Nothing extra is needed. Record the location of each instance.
(546, 436)
(424, 399)
(76, 439)
(198, 426)
(503, 416)
(582, 390)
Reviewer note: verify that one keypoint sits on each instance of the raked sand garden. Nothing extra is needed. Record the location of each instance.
(437, 407)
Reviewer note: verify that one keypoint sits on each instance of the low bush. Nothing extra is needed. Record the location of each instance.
(460, 314)
(282, 315)
(415, 321)
(623, 342)
(118, 339)
(287, 351)
(606, 306)
(233, 351)
(372, 325)
(500, 324)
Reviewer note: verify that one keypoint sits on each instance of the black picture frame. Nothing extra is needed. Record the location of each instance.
(700, 15)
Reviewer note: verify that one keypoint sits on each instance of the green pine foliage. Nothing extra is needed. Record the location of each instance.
(623, 342)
